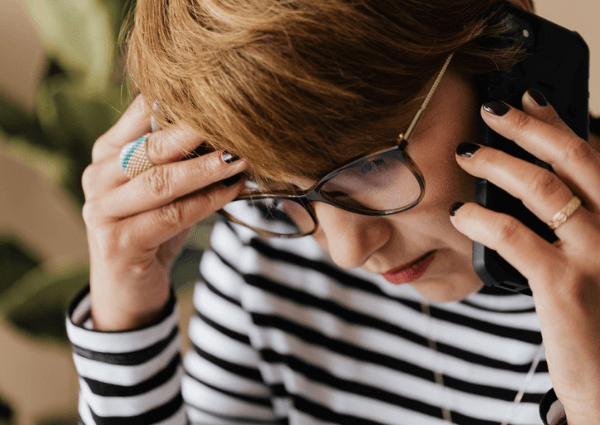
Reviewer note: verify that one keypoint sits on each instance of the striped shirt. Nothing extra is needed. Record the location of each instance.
(282, 335)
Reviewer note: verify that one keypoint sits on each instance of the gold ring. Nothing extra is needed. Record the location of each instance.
(562, 216)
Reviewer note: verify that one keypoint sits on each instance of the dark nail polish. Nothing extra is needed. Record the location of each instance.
(230, 181)
(455, 206)
(467, 150)
(496, 107)
(537, 96)
(228, 157)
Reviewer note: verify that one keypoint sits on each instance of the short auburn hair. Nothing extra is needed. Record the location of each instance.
(296, 87)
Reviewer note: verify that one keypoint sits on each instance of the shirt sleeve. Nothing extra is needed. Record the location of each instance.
(223, 383)
(552, 411)
(128, 377)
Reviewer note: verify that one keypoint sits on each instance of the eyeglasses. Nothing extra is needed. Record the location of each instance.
(380, 182)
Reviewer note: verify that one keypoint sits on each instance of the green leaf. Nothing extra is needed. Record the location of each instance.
(37, 302)
(78, 33)
(15, 261)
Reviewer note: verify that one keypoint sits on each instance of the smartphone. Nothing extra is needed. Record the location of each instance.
(557, 64)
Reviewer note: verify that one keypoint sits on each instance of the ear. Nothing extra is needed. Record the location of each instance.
(523, 4)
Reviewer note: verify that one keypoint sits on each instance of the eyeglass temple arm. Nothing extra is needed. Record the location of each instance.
(406, 135)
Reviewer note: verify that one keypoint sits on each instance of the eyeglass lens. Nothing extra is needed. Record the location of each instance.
(376, 184)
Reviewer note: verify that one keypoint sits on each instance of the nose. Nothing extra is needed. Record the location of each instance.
(349, 238)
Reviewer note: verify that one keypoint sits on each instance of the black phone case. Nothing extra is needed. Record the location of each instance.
(557, 64)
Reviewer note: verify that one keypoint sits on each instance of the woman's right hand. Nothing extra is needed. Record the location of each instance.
(137, 227)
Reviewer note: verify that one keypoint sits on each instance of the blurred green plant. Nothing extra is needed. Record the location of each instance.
(83, 91)
(82, 94)
(34, 299)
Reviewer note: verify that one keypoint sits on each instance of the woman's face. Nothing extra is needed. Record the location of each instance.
(381, 244)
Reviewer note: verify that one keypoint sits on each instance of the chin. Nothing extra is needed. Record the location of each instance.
(448, 288)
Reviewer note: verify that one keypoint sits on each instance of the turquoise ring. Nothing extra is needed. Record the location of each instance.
(134, 159)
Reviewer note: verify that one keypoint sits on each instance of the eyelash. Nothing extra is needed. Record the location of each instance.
(369, 166)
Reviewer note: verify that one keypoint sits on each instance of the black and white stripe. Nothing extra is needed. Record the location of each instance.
(281, 335)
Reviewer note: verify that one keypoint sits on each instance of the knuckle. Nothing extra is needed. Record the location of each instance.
(155, 147)
(91, 213)
(172, 214)
(213, 200)
(544, 183)
(123, 239)
(156, 180)
(88, 212)
(506, 230)
(208, 165)
(97, 147)
(577, 150)
(112, 241)
(87, 178)
(521, 122)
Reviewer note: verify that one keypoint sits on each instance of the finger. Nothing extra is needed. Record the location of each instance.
(155, 126)
(570, 156)
(162, 147)
(163, 184)
(134, 123)
(152, 228)
(541, 191)
(535, 104)
(172, 144)
(532, 256)
(100, 177)
(156, 114)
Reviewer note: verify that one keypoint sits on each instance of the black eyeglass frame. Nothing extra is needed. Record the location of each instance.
(313, 194)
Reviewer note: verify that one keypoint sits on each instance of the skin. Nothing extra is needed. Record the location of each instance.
(564, 276)
(136, 227)
(379, 244)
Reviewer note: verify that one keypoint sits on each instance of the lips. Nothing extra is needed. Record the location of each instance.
(410, 272)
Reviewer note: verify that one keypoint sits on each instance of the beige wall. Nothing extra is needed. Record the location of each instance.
(581, 16)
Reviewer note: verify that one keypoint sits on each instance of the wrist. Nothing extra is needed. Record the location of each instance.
(116, 306)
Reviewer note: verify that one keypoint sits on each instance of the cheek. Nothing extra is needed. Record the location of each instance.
(446, 182)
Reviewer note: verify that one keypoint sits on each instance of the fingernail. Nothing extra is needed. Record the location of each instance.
(467, 150)
(454, 207)
(537, 96)
(230, 181)
(496, 107)
(228, 157)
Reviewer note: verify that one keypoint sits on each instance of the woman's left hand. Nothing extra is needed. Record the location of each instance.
(564, 276)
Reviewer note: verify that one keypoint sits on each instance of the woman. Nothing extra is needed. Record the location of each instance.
(325, 328)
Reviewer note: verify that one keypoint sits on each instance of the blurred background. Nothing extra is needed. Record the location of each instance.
(62, 86)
